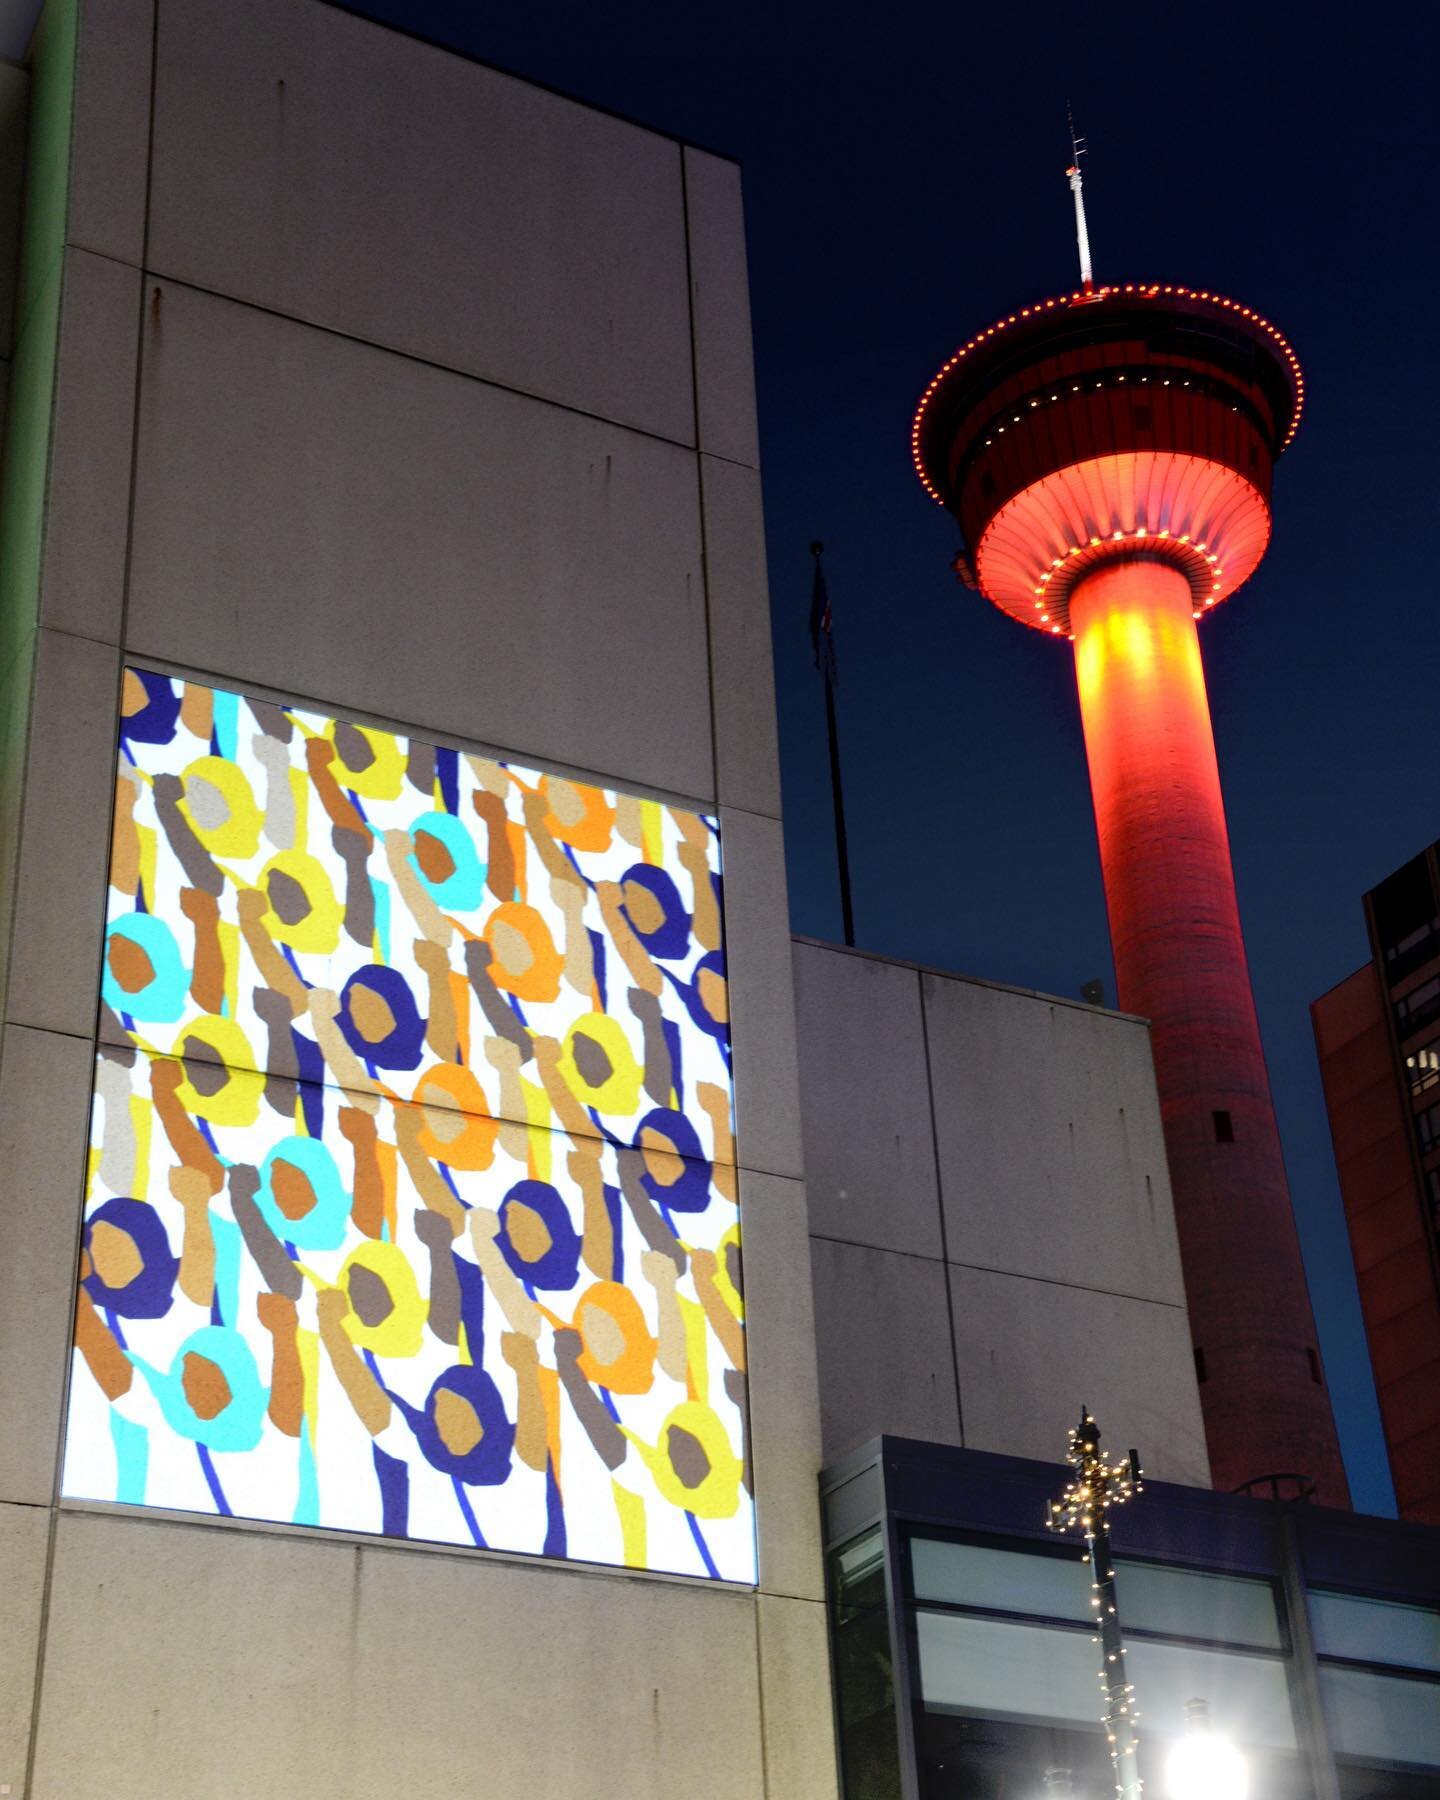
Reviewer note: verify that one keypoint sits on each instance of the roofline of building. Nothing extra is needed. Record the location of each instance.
(1000, 987)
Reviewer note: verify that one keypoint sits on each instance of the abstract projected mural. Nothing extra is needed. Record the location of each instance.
(412, 1204)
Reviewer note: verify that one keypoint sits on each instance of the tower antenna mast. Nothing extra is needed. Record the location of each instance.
(1082, 236)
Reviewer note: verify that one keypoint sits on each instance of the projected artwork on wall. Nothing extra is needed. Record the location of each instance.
(412, 1203)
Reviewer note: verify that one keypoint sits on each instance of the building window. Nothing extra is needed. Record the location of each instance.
(1418, 1009)
(864, 1677)
(1422, 1067)
(1379, 1680)
(1427, 1126)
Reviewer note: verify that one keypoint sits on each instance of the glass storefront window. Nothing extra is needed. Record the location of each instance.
(999, 1580)
(864, 1676)
(1230, 1609)
(1384, 1718)
(1380, 1631)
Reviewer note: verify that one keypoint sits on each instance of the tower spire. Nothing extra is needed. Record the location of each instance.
(1082, 236)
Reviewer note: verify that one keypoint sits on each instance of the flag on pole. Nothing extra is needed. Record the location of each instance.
(822, 621)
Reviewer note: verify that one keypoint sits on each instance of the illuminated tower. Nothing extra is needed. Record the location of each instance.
(1108, 455)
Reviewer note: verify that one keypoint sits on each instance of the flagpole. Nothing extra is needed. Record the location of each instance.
(821, 623)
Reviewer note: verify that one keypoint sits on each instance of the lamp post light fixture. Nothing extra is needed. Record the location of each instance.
(1205, 1765)
(1095, 1487)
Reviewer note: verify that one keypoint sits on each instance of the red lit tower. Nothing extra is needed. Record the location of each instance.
(1108, 455)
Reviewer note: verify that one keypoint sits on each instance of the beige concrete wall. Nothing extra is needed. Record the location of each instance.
(390, 384)
(992, 1232)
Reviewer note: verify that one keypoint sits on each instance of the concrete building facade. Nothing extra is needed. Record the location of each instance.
(353, 375)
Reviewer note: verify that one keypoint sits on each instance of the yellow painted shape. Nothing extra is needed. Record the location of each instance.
(229, 936)
(307, 1345)
(146, 834)
(652, 825)
(630, 1509)
(697, 1348)
(142, 1118)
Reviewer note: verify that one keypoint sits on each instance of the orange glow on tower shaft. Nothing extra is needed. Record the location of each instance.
(1180, 961)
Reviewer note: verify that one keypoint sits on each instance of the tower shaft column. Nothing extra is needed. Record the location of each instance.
(1180, 961)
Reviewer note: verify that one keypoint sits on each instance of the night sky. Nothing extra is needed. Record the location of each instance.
(904, 180)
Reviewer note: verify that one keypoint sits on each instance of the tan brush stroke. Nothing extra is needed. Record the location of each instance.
(319, 753)
(579, 957)
(694, 853)
(207, 982)
(519, 1309)
(632, 952)
(629, 820)
(185, 1139)
(523, 1357)
(197, 709)
(504, 1058)
(662, 1275)
(409, 1123)
(340, 1059)
(491, 777)
(369, 1399)
(715, 1103)
(196, 1279)
(125, 834)
(500, 859)
(597, 1241)
(367, 1207)
(427, 915)
(281, 1318)
(568, 1109)
(104, 1358)
(557, 865)
(722, 1321)
(278, 821)
(442, 1030)
(252, 906)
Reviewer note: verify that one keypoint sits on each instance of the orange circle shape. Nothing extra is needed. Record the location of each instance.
(619, 1351)
(579, 814)
(523, 957)
(458, 1129)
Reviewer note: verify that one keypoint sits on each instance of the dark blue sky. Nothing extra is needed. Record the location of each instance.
(904, 185)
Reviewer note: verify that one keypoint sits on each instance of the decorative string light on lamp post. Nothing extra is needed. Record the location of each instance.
(1095, 1487)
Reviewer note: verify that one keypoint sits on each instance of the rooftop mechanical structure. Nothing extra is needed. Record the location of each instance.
(1108, 454)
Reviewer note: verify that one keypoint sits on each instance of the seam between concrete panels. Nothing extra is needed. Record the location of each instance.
(360, 715)
(42, 1641)
(381, 348)
(1082, 1287)
(700, 487)
(940, 1204)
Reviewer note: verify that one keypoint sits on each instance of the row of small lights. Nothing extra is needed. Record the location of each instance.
(1142, 533)
(1075, 387)
(1074, 299)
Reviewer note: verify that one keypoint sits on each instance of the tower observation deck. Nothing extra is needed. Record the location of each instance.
(1108, 454)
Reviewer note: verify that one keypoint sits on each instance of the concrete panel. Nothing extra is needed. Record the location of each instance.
(278, 1665)
(784, 1393)
(358, 529)
(64, 836)
(15, 679)
(799, 1713)
(762, 1007)
(111, 131)
(747, 756)
(1031, 1353)
(315, 163)
(44, 1121)
(865, 1102)
(82, 585)
(510, 1680)
(720, 302)
(882, 1335)
(1052, 1161)
(24, 1538)
(204, 1664)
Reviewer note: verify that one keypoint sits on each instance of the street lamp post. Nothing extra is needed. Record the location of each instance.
(1095, 1487)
